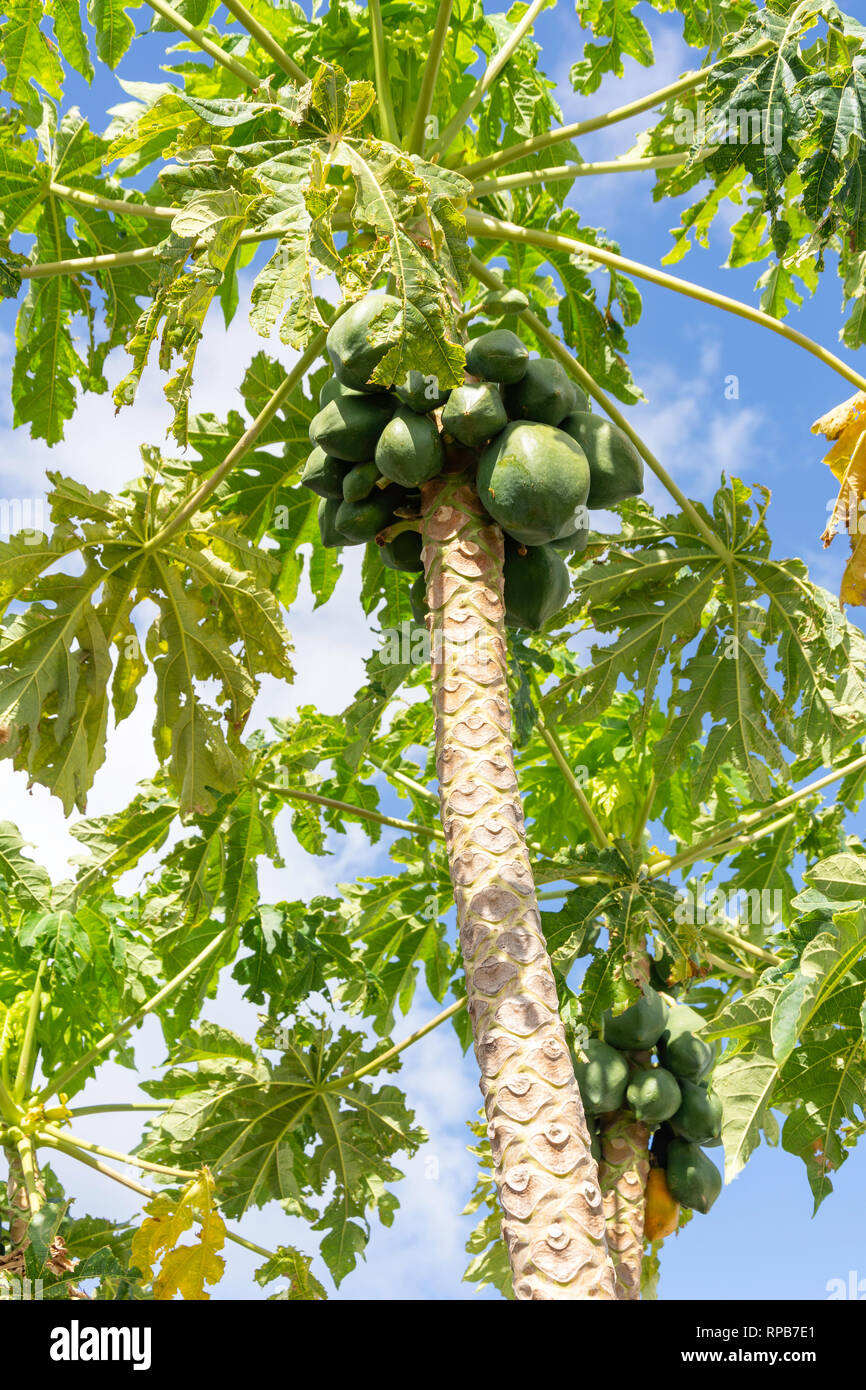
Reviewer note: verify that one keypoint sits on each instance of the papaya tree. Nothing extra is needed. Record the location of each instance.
(399, 180)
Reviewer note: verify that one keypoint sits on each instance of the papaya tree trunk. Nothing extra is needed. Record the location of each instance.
(547, 1180)
(20, 1207)
(17, 1216)
(623, 1173)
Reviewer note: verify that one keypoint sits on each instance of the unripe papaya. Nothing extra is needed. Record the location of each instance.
(532, 479)
(505, 302)
(403, 552)
(602, 1077)
(409, 451)
(360, 481)
(361, 337)
(334, 389)
(594, 1139)
(497, 356)
(349, 427)
(420, 393)
(694, 1180)
(661, 968)
(661, 1141)
(615, 466)
(574, 543)
(418, 599)
(361, 521)
(474, 413)
(639, 1026)
(537, 584)
(544, 393)
(324, 475)
(680, 1048)
(699, 1118)
(662, 1210)
(327, 516)
(653, 1095)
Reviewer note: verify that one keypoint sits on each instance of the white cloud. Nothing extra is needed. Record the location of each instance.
(694, 430)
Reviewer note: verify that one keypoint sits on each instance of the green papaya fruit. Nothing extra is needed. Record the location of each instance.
(361, 521)
(505, 302)
(639, 1026)
(323, 474)
(602, 1078)
(532, 478)
(497, 356)
(661, 968)
(653, 1095)
(409, 451)
(359, 339)
(420, 393)
(403, 552)
(615, 466)
(334, 389)
(545, 393)
(693, 1178)
(474, 413)
(327, 515)
(574, 543)
(348, 427)
(594, 1139)
(699, 1118)
(660, 1144)
(537, 584)
(408, 504)
(418, 599)
(360, 481)
(681, 1050)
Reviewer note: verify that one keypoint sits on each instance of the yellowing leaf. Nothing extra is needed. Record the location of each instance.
(185, 1268)
(845, 424)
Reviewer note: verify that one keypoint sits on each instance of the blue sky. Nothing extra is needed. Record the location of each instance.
(759, 1241)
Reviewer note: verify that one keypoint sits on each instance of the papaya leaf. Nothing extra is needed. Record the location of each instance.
(56, 653)
(822, 1088)
(300, 1132)
(712, 627)
(25, 881)
(28, 55)
(744, 1083)
(184, 1269)
(288, 1263)
(787, 99)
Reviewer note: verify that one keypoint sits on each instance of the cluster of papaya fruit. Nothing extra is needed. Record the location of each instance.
(652, 1061)
(538, 456)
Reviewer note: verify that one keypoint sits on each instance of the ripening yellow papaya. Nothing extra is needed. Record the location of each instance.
(662, 1213)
